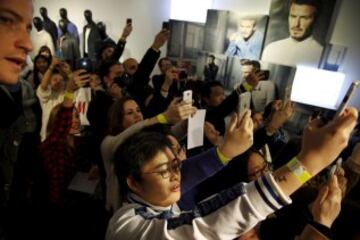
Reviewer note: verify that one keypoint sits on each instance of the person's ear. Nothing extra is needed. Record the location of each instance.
(133, 185)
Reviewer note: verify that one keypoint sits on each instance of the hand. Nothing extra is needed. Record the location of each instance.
(179, 110)
(255, 77)
(55, 62)
(126, 31)
(160, 39)
(342, 180)
(238, 136)
(327, 205)
(321, 145)
(280, 115)
(93, 173)
(79, 79)
(211, 133)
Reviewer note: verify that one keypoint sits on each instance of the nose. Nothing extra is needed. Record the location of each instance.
(297, 21)
(24, 41)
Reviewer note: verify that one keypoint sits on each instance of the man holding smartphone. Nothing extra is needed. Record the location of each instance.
(254, 81)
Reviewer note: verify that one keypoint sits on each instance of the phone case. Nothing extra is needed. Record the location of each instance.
(244, 103)
(187, 96)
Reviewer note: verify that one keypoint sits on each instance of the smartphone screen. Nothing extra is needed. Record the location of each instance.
(187, 96)
(244, 103)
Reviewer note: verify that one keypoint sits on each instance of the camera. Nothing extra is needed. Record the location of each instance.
(84, 63)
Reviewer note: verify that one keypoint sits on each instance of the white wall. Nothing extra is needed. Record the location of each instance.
(147, 16)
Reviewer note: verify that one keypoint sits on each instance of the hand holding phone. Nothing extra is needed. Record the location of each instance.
(354, 85)
(244, 103)
(335, 167)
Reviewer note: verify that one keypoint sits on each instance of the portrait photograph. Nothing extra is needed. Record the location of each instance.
(235, 34)
(297, 31)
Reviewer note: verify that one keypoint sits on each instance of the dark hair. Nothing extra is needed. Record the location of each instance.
(116, 116)
(161, 60)
(253, 63)
(103, 46)
(315, 3)
(206, 89)
(104, 68)
(134, 152)
(36, 78)
(212, 56)
(45, 48)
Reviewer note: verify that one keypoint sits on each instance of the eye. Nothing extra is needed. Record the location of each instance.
(6, 20)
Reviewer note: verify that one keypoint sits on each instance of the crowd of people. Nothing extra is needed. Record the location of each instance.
(126, 132)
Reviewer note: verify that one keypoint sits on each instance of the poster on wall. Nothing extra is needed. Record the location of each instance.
(234, 34)
(297, 31)
(186, 39)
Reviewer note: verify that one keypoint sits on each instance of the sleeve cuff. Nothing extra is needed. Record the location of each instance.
(267, 195)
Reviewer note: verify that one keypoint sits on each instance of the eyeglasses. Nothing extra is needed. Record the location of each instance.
(171, 167)
(260, 171)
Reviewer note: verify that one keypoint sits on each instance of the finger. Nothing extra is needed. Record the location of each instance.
(79, 72)
(233, 122)
(245, 120)
(347, 119)
(322, 195)
(315, 123)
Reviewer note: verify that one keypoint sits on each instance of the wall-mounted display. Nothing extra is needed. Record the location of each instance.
(297, 31)
(234, 34)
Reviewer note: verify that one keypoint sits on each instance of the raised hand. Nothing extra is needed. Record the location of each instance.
(238, 136)
(179, 110)
(321, 145)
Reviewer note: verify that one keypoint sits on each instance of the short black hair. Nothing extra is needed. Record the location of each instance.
(134, 152)
(206, 89)
(254, 63)
(315, 3)
(212, 56)
(163, 59)
(104, 68)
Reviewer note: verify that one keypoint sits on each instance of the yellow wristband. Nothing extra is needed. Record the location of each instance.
(222, 157)
(69, 96)
(298, 170)
(248, 87)
(161, 118)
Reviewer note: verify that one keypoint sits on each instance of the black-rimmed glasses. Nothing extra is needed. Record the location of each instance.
(171, 167)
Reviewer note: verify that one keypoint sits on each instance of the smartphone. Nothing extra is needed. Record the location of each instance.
(165, 25)
(84, 63)
(287, 96)
(244, 103)
(187, 96)
(334, 168)
(266, 74)
(128, 21)
(345, 101)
